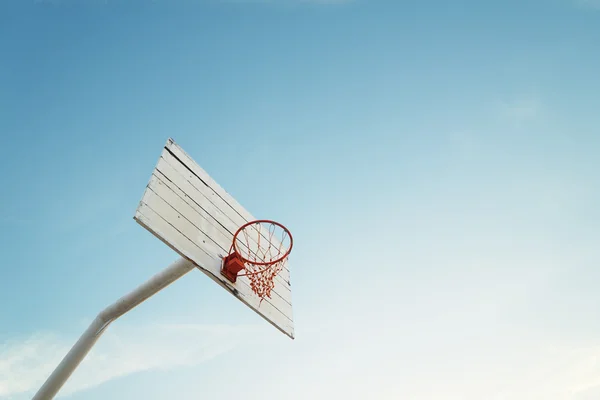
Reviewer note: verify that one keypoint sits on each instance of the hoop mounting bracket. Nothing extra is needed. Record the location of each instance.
(232, 265)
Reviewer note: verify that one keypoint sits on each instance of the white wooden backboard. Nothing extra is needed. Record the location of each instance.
(186, 209)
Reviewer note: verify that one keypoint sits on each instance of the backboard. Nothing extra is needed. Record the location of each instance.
(186, 209)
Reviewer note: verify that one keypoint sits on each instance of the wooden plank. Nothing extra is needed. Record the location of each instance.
(210, 265)
(160, 198)
(205, 197)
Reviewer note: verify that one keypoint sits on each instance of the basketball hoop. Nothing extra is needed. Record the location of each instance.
(260, 248)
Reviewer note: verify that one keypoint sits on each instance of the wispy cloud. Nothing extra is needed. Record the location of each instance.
(26, 362)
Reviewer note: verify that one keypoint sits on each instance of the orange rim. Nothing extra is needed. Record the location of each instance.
(263, 221)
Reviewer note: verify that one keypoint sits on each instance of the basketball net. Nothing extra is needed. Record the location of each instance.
(264, 247)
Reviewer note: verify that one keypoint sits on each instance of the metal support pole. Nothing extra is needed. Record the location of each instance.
(78, 352)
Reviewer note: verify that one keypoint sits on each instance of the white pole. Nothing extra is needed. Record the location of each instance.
(78, 352)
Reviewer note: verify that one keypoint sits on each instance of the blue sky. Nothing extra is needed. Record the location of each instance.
(436, 161)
